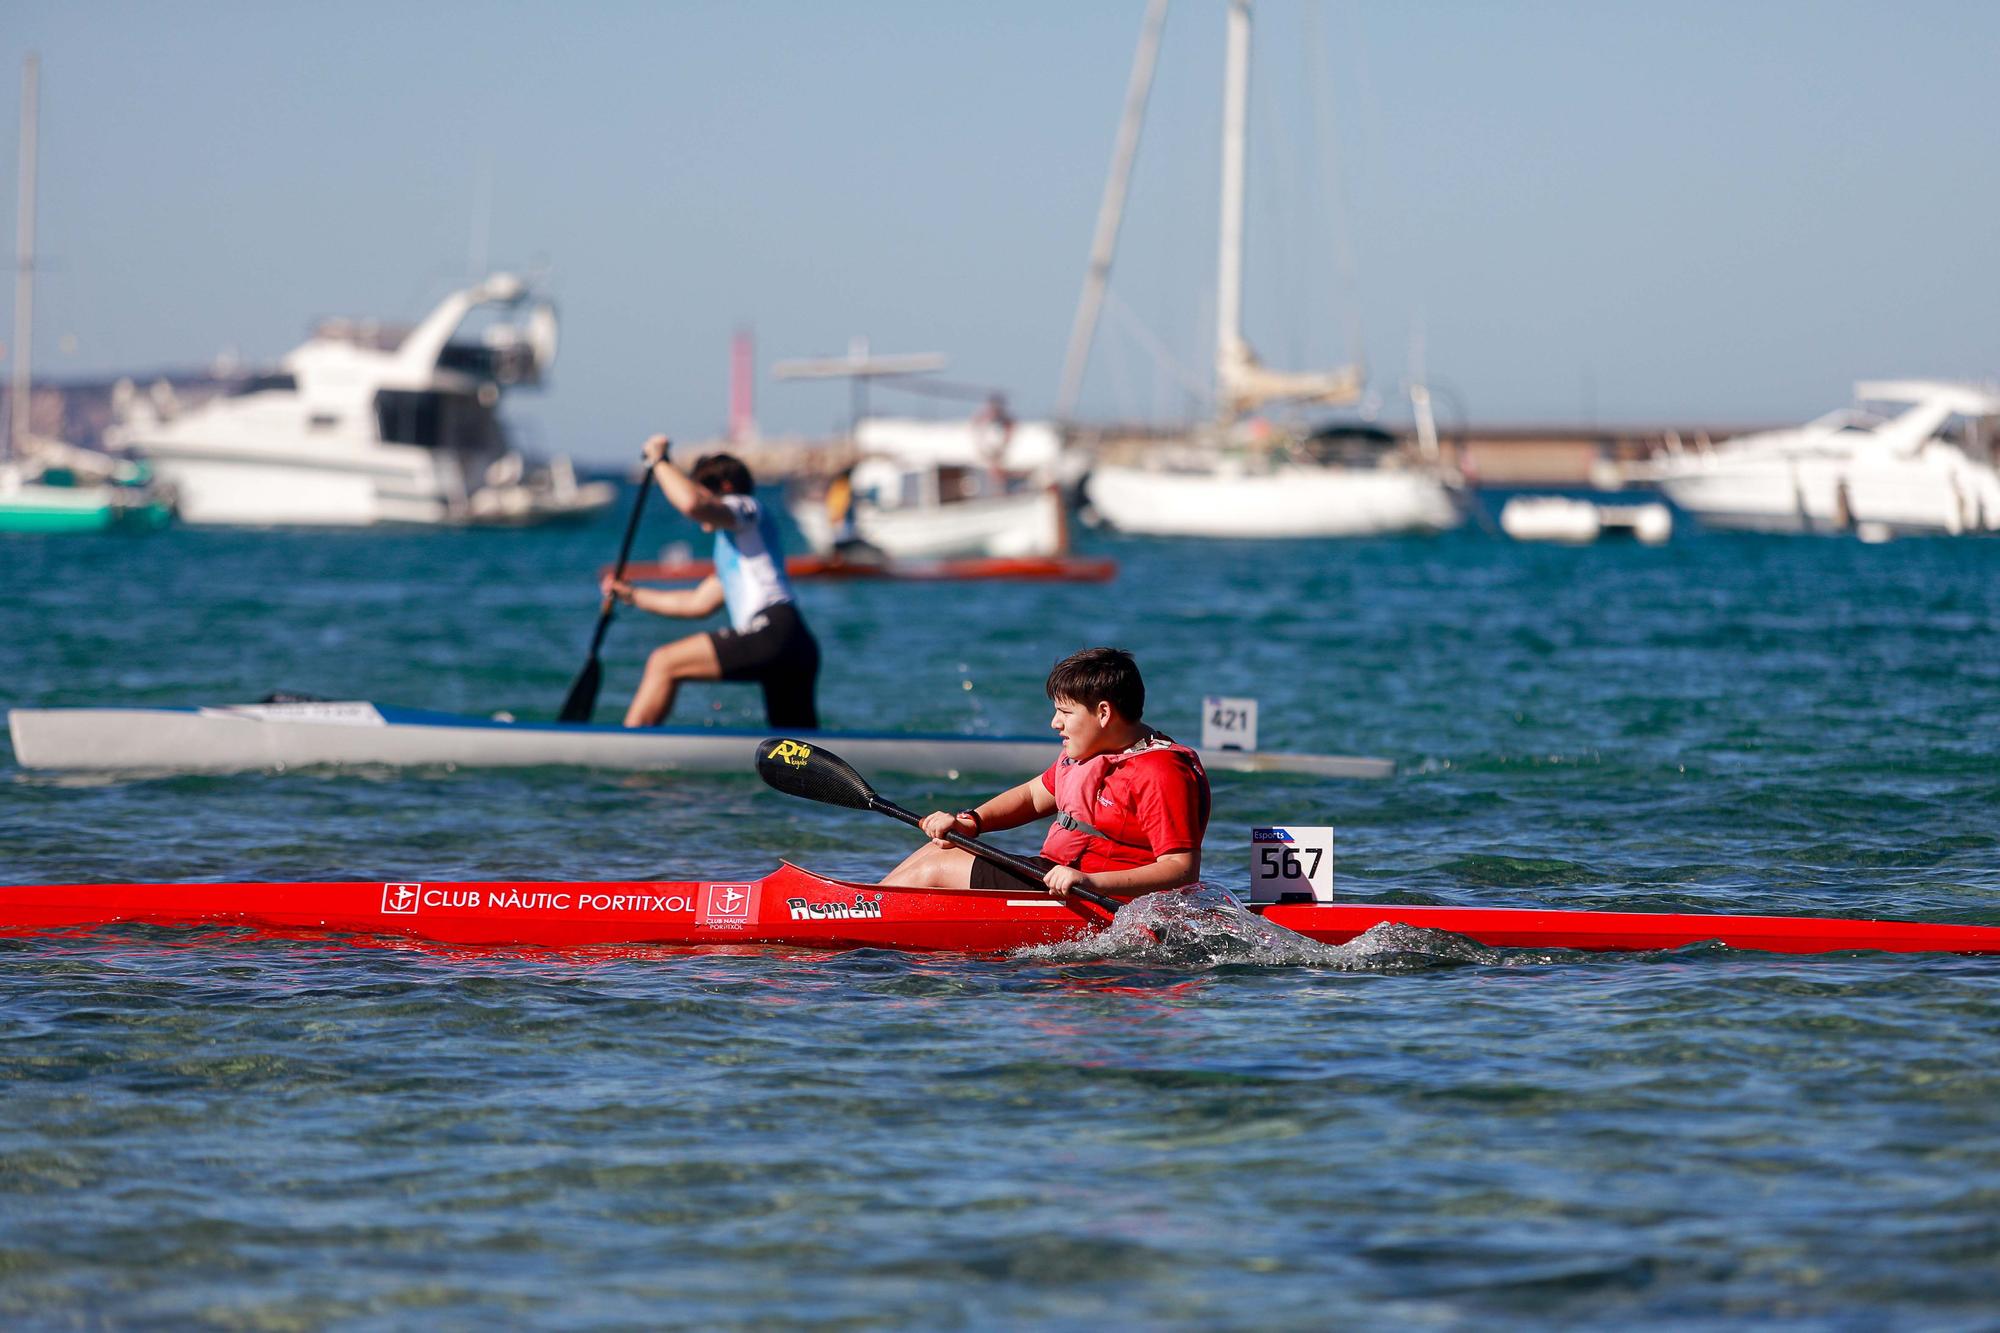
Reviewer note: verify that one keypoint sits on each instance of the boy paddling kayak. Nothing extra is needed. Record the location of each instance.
(1130, 803)
(767, 640)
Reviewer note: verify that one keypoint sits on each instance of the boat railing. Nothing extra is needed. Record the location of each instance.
(505, 363)
(369, 334)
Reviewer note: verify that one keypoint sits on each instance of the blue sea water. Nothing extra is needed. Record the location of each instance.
(226, 1131)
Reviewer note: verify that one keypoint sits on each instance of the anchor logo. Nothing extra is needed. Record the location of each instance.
(400, 899)
(726, 903)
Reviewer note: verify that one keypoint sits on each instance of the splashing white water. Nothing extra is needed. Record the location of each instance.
(1203, 927)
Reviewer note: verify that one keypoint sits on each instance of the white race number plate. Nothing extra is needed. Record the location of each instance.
(1292, 861)
(1228, 724)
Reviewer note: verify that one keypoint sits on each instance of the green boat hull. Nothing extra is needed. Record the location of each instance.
(79, 512)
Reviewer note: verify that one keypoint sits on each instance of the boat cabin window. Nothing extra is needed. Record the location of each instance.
(504, 362)
(1353, 443)
(410, 417)
(265, 384)
(471, 359)
(957, 483)
(1978, 436)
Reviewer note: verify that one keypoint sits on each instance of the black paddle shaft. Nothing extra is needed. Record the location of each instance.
(800, 768)
(1026, 869)
(581, 701)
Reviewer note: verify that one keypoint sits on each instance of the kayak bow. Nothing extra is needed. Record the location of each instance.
(793, 906)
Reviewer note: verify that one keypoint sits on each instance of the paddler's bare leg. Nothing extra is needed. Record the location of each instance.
(692, 658)
(933, 867)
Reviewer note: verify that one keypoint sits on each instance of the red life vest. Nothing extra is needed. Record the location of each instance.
(1078, 787)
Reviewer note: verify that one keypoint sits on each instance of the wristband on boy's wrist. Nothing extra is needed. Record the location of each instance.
(978, 824)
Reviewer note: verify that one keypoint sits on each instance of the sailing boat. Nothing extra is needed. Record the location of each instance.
(47, 485)
(1244, 480)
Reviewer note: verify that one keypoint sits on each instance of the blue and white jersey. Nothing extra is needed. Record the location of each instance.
(750, 562)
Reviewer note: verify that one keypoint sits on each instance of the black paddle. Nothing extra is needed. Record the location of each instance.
(798, 768)
(582, 699)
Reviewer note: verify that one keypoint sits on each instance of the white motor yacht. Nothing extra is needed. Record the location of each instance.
(365, 424)
(1923, 466)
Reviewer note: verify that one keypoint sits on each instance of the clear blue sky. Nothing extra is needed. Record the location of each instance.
(1688, 211)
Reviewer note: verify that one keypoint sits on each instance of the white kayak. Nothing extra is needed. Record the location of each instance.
(277, 736)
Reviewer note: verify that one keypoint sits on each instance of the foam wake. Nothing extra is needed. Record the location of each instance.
(1200, 927)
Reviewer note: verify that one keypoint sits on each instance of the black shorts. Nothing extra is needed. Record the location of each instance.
(779, 653)
(986, 875)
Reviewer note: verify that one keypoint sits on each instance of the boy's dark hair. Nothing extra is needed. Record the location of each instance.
(1096, 675)
(725, 474)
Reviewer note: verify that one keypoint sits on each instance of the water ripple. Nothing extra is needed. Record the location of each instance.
(1195, 1120)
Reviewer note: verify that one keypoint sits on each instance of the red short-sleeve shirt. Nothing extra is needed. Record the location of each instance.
(1154, 804)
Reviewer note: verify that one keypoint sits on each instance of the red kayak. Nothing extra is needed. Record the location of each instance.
(796, 907)
(1029, 568)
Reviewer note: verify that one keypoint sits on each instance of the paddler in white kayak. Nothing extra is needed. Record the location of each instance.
(1130, 803)
(767, 640)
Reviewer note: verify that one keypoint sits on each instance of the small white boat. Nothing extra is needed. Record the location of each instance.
(366, 424)
(988, 439)
(939, 513)
(280, 736)
(928, 490)
(1925, 467)
(1556, 518)
(33, 501)
(48, 485)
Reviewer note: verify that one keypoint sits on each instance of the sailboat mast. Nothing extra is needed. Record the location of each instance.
(1229, 264)
(1111, 212)
(24, 264)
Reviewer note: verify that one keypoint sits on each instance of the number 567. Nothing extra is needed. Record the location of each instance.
(1286, 862)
